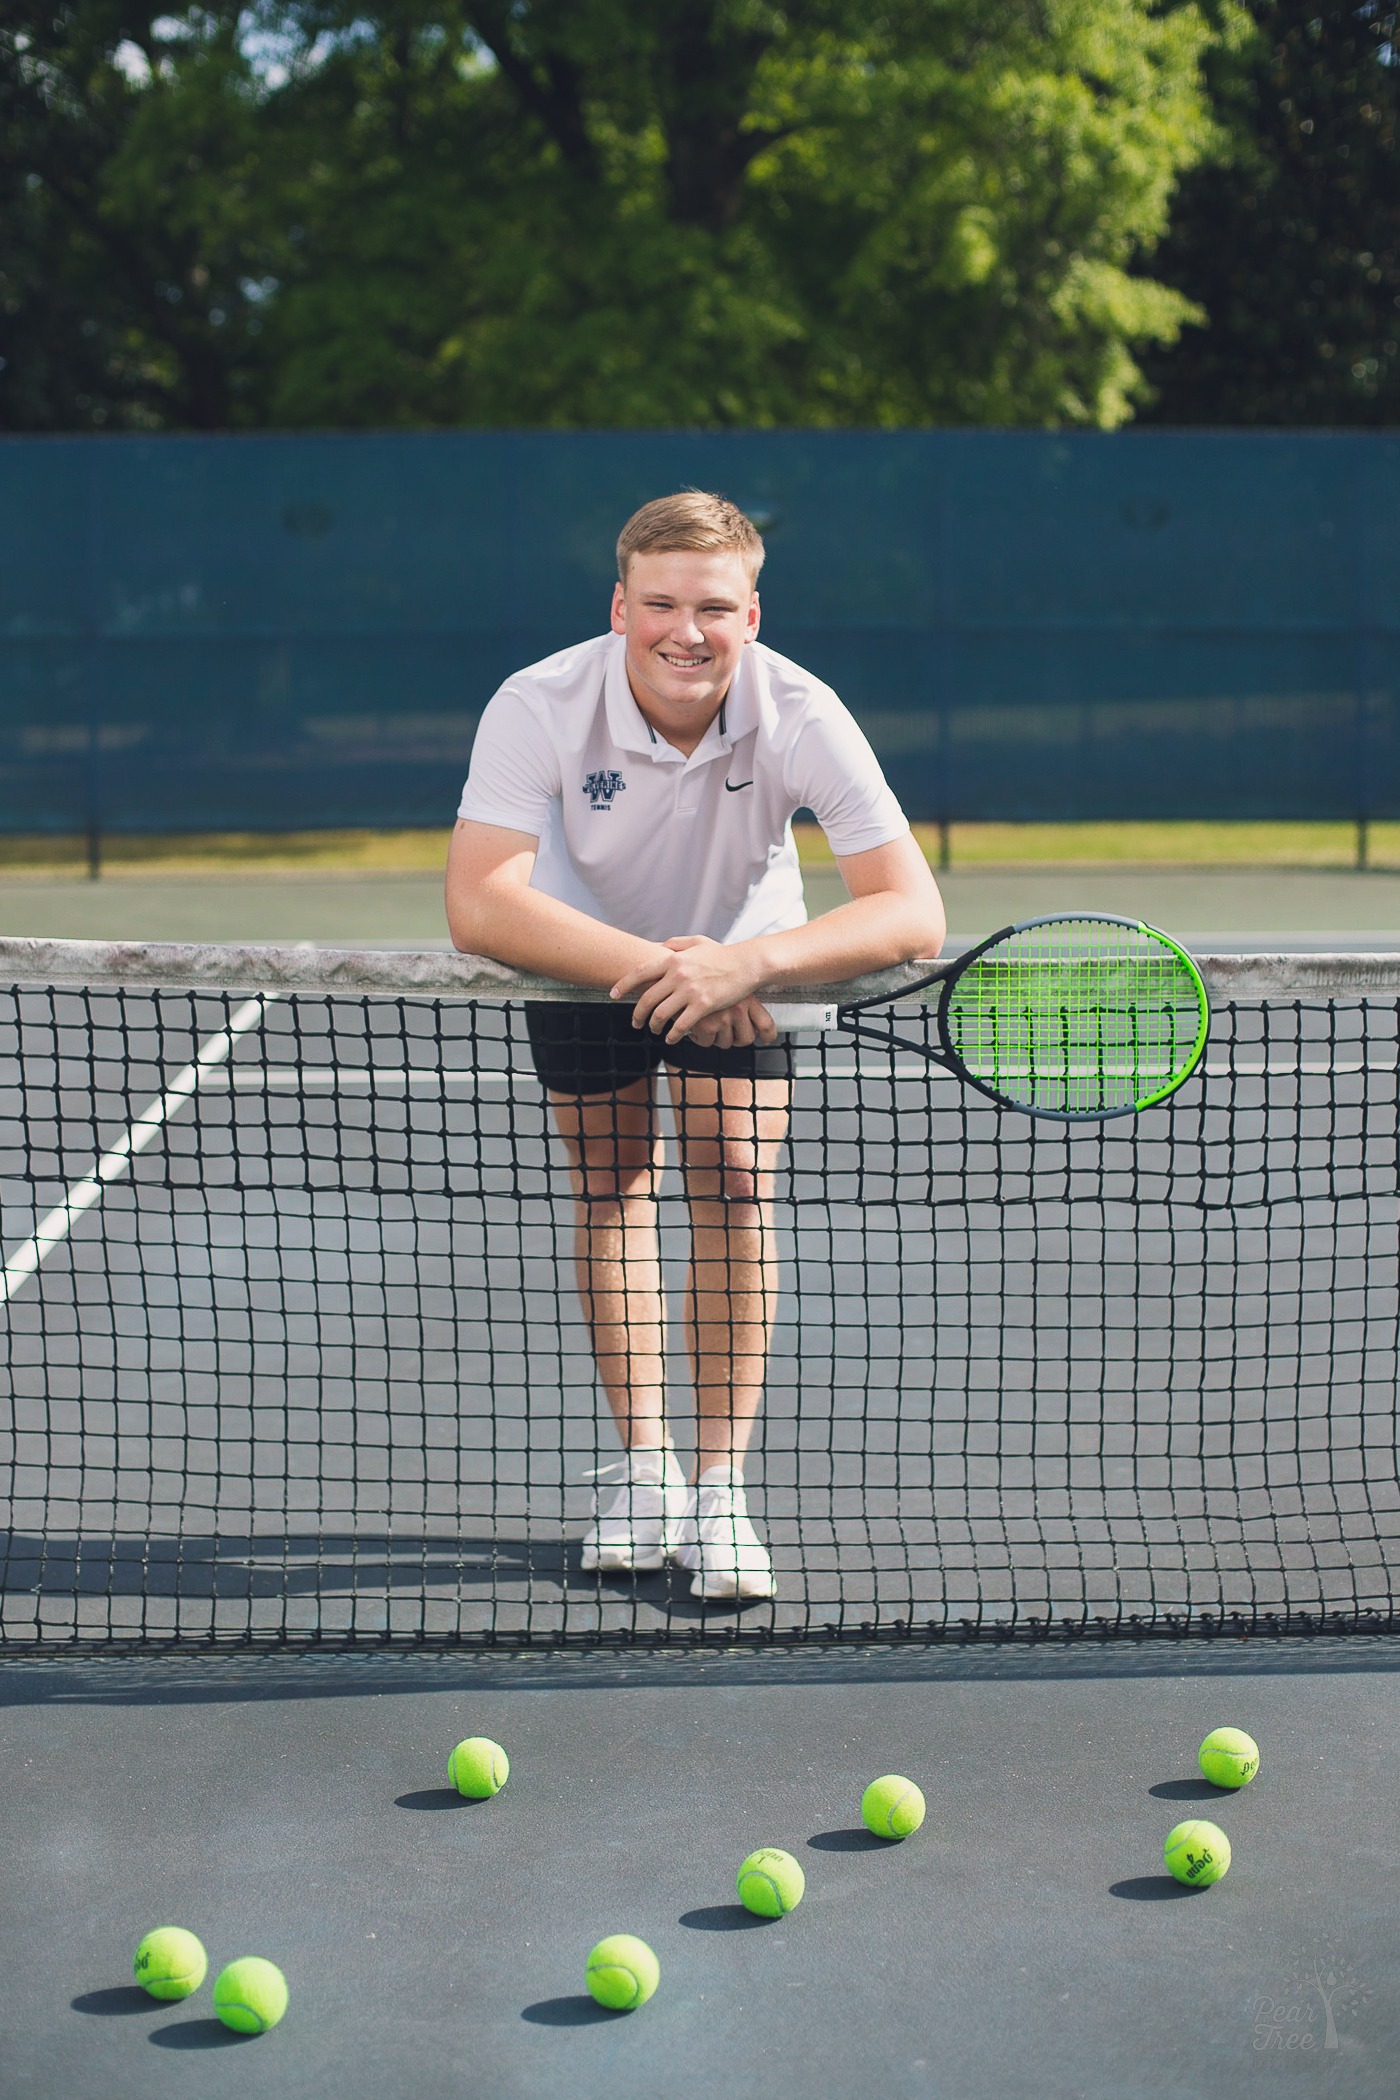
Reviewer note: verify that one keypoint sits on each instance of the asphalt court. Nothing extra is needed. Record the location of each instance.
(1025, 1942)
(1326, 909)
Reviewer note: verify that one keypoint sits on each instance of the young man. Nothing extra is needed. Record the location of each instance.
(626, 824)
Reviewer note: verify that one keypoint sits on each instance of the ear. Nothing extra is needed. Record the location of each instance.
(619, 610)
(751, 619)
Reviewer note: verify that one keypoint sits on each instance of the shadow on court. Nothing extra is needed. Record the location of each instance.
(578, 2011)
(194, 1674)
(724, 1917)
(1154, 1888)
(121, 1998)
(846, 1841)
(200, 2034)
(437, 1797)
(320, 1584)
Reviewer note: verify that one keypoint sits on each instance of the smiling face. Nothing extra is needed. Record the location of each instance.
(686, 618)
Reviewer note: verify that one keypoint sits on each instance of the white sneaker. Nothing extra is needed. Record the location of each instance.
(640, 1525)
(719, 1543)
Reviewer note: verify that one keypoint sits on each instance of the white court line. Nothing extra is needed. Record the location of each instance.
(255, 1079)
(55, 1228)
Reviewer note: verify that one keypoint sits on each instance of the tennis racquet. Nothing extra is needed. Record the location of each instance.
(1077, 1018)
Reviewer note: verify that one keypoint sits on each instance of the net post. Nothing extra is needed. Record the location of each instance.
(92, 835)
(945, 845)
(1363, 843)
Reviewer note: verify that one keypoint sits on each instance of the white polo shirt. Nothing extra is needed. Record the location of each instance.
(636, 834)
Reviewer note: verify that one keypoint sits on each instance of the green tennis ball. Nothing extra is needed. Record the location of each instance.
(892, 1807)
(250, 1995)
(622, 1972)
(170, 1963)
(770, 1882)
(1229, 1757)
(478, 1768)
(1198, 1853)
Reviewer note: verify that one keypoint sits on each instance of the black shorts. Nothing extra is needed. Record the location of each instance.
(596, 1050)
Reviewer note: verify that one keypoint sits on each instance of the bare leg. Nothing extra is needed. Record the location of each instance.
(729, 1132)
(615, 1159)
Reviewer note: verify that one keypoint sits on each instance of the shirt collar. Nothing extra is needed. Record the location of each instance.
(630, 730)
(740, 712)
(628, 727)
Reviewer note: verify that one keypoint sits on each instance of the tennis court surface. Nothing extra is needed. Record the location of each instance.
(1078, 1441)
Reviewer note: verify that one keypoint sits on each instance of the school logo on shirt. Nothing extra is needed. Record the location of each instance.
(601, 787)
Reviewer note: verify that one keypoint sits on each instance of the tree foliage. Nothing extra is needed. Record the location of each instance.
(585, 212)
(129, 220)
(1292, 248)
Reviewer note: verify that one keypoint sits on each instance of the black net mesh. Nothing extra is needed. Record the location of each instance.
(293, 1350)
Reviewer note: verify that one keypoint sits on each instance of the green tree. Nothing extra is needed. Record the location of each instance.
(1292, 248)
(133, 243)
(721, 212)
(579, 212)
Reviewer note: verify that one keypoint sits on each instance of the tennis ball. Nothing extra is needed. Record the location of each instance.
(1198, 1853)
(170, 1963)
(892, 1807)
(250, 1995)
(622, 1972)
(770, 1882)
(1229, 1757)
(478, 1768)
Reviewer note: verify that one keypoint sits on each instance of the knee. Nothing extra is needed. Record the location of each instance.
(613, 1184)
(738, 1179)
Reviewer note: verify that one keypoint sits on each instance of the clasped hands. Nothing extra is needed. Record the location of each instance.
(693, 986)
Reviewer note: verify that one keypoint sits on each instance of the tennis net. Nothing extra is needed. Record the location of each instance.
(292, 1349)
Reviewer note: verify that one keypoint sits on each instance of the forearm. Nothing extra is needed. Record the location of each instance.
(530, 931)
(869, 933)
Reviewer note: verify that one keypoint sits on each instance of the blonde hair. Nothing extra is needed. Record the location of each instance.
(691, 522)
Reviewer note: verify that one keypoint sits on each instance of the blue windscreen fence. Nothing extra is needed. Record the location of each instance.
(299, 632)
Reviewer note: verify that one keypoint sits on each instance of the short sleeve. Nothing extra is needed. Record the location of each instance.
(513, 779)
(833, 772)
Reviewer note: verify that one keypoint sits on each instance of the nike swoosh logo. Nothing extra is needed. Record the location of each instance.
(732, 787)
